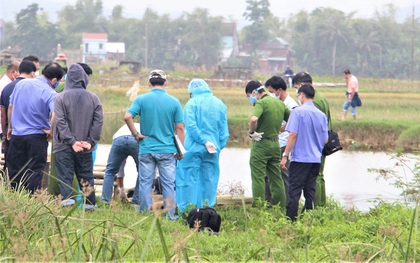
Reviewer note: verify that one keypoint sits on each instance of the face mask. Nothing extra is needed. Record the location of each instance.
(36, 73)
(274, 96)
(253, 100)
(56, 84)
(65, 77)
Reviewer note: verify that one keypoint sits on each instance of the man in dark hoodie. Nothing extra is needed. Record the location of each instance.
(77, 129)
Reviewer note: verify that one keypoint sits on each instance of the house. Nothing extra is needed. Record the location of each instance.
(274, 55)
(94, 47)
(230, 46)
(115, 51)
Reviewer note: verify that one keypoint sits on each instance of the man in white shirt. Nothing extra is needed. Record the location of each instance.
(277, 88)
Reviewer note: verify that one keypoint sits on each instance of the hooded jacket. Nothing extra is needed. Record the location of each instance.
(78, 112)
(205, 118)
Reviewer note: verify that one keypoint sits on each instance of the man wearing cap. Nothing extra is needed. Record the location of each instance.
(207, 132)
(160, 119)
(264, 128)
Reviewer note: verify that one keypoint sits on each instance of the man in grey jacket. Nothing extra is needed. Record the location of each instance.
(77, 129)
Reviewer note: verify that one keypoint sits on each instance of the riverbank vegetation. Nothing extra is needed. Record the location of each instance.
(37, 229)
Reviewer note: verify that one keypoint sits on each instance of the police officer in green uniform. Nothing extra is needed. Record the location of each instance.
(322, 104)
(264, 128)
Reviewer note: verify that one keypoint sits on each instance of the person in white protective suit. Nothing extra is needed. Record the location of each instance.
(206, 134)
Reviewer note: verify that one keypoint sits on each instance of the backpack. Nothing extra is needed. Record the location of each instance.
(207, 217)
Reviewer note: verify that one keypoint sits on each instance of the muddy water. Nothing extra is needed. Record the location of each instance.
(346, 175)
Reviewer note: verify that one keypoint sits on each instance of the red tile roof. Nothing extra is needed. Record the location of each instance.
(95, 36)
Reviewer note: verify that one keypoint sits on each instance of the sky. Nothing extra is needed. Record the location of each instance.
(233, 9)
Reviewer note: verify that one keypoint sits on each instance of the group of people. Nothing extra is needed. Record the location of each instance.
(202, 127)
(34, 114)
(286, 155)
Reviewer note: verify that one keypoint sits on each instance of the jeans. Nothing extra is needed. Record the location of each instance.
(346, 105)
(68, 163)
(26, 160)
(166, 163)
(121, 148)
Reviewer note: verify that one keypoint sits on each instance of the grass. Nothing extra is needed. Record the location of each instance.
(44, 232)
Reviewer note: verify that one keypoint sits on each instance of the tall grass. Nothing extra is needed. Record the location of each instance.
(37, 229)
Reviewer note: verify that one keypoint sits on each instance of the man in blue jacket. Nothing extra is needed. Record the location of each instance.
(197, 175)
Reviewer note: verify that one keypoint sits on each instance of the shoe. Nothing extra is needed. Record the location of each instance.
(68, 202)
(89, 207)
(136, 207)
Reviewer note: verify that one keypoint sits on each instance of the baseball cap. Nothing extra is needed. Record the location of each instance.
(157, 73)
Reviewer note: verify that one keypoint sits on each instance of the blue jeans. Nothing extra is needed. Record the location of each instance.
(68, 163)
(166, 163)
(346, 105)
(121, 148)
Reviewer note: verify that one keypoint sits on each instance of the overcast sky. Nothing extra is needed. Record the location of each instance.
(226, 8)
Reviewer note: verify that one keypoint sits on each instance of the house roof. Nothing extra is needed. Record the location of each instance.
(95, 36)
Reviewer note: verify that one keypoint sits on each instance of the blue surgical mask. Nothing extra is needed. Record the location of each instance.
(253, 100)
(56, 84)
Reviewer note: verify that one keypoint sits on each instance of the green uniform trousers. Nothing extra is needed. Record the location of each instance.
(320, 195)
(265, 160)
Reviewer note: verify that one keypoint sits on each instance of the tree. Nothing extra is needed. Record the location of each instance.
(34, 38)
(366, 39)
(257, 12)
(334, 29)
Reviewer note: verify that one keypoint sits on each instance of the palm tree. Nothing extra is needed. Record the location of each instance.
(334, 29)
(366, 39)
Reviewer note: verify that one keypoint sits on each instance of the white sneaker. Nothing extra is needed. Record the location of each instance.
(68, 202)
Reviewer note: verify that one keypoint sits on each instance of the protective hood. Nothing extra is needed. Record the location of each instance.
(198, 86)
(76, 77)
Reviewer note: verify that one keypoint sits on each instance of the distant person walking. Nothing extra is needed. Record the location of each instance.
(352, 90)
(308, 133)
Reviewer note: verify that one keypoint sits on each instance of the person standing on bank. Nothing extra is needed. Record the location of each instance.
(123, 145)
(352, 89)
(277, 88)
(206, 134)
(27, 70)
(160, 119)
(264, 128)
(308, 133)
(31, 115)
(321, 103)
(77, 130)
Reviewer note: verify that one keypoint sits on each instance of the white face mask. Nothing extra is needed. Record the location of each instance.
(36, 73)
(274, 95)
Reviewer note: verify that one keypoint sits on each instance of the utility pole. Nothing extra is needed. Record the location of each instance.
(146, 46)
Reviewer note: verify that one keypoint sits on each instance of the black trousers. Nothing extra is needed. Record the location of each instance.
(302, 177)
(26, 159)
